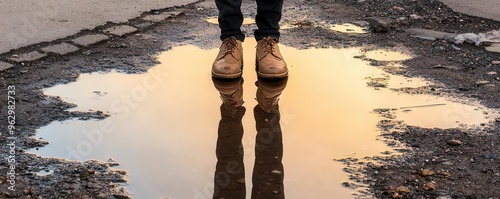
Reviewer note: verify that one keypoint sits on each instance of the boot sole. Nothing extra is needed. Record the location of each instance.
(269, 76)
(229, 76)
(226, 76)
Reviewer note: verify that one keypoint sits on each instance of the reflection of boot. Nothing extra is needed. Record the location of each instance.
(268, 173)
(229, 179)
(269, 61)
(269, 91)
(231, 92)
(229, 61)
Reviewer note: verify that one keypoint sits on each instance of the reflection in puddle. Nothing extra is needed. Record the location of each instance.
(348, 28)
(163, 124)
(246, 20)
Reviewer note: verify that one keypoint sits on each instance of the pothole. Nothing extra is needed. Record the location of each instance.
(163, 123)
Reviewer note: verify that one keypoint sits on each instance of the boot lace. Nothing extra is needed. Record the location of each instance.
(268, 46)
(228, 46)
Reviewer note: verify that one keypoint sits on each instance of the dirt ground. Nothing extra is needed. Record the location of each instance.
(435, 163)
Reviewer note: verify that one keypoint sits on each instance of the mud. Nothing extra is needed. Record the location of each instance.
(465, 169)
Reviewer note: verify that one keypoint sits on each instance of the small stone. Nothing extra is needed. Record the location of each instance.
(490, 156)
(361, 23)
(176, 13)
(424, 37)
(121, 196)
(402, 189)
(121, 172)
(415, 16)
(380, 24)
(455, 47)
(454, 142)
(143, 25)
(15, 56)
(61, 49)
(88, 40)
(424, 33)
(84, 173)
(120, 30)
(491, 73)
(427, 172)
(447, 67)
(495, 62)
(444, 174)
(276, 172)
(482, 82)
(158, 17)
(447, 163)
(429, 186)
(346, 184)
(5, 65)
(438, 48)
(26, 57)
(401, 19)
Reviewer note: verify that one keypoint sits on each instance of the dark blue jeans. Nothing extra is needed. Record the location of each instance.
(267, 18)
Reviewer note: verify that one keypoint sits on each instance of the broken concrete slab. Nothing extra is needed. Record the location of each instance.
(61, 49)
(425, 33)
(424, 37)
(162, 16)
(5, 65)
(120, 30)
(158, 17)
(380, 24)
(143, 25)
(494, 48)
(361, 23)
(27, 57)
(90, 39)
(176, 13)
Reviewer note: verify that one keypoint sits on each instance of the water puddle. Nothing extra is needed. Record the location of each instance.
(246, 20)
(382, 55)
(45, 172)
(164, 123)
(348, 28)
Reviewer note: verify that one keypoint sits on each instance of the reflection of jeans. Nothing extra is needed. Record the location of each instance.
(268, 173)
(230, 172)
(267, 18)
(267, 178)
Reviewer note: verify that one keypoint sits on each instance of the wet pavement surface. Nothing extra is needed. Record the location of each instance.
(141, 115)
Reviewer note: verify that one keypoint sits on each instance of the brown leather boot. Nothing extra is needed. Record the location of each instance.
(231, 92)
(269, 61)
(269, 91)
(229, 61)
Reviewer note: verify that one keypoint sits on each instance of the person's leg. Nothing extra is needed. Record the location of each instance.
(269, 62)
(268, 18)
(230, 19)
(229, 62)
